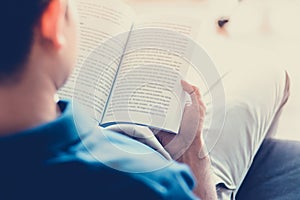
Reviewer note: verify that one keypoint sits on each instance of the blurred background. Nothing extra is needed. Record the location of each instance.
(260, 33)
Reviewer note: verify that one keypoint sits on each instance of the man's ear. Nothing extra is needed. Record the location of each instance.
(52, 22)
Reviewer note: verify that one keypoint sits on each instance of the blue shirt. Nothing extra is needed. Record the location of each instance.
(68, 159)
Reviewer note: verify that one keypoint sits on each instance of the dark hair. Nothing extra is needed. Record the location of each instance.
(17, 21)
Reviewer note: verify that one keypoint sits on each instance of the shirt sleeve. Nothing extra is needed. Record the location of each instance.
(141, 170)
(173, 182)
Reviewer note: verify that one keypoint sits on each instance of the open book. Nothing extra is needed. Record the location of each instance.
(119, 81)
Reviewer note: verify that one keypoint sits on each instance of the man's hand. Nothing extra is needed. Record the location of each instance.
(189, 139)
(188, 146)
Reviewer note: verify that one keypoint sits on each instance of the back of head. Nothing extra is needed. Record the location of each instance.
(18, 19)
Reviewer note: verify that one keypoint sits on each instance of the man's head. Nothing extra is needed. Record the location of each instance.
(37, 36)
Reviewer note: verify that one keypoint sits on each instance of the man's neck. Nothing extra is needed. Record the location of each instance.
(26, 105)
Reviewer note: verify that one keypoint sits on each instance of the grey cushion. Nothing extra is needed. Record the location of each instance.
(274, 174)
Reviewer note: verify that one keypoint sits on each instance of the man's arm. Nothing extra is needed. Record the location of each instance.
(188, 146)
(200, 165)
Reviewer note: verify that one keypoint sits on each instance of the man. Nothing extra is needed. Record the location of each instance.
(43, 155)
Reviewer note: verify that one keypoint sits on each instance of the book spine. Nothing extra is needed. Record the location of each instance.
(113, 84)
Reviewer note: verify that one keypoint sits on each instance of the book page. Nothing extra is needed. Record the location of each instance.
(99, 55)
(148, 90)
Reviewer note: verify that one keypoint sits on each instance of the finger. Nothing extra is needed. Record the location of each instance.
(192, 91)
(200, 104)
(197, 92)
(187, 87)
(195, 97)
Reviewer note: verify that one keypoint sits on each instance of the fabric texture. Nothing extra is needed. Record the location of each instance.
(275, 173)
(59, 160)
(254, 100)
